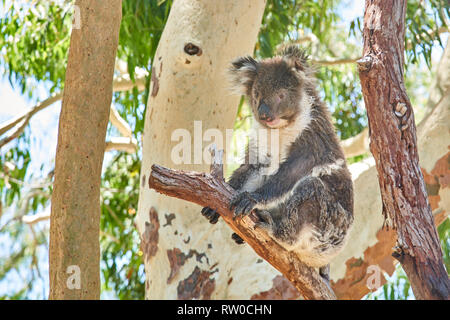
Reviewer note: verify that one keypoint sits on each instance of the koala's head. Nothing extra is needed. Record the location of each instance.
(274, 86)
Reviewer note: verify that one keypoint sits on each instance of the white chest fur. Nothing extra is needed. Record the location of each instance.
(270, 146)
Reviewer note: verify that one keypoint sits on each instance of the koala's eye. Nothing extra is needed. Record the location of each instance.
(279, 97)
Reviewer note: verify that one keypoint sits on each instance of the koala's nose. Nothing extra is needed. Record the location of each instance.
(264, 112)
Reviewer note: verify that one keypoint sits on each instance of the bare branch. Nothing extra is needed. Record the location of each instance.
(16, 133)
(30, 220)
(356, 145)
(211, 190)
(118, 122)
(125, 144)
(394, 146)
(7, 125)
(123, 83)
(334, 62)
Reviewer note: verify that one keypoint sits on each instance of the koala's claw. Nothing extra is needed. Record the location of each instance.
(211, 215)
(237, 239)
(243, 203)
(265, 220)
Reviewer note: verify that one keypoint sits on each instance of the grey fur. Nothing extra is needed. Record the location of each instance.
(306, 204)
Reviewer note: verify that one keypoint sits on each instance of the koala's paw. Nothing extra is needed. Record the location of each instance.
(237, 239)
(211, 215)
(243, 203)
(265, 220)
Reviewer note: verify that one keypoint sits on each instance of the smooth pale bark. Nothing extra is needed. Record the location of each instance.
(75, 216)
(394, 146)
(185, 256)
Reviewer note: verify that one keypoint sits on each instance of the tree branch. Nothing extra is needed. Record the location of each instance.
(117, 121)
(16, 133)
(126, 144)
(334, 62)
(7, 125)
(211, 190)
(356, 145)
(20, 122)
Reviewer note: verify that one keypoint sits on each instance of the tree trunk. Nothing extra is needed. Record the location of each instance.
(185, 256)
(394, 146)
(75, 217)
(211, 190)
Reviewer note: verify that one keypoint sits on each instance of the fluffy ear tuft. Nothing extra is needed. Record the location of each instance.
(242, 73)
(295, 57)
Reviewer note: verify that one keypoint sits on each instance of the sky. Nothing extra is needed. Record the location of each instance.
(44, 129)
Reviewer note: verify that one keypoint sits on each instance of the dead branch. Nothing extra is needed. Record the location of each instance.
(33, 219)
(117, 121)
(211, 190)
(122, 83)
(334, 62)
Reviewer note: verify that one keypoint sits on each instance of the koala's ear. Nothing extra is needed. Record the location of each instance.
(295, 57)
(242, 74)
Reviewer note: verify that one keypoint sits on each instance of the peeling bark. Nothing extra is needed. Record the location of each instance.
(394, 146)
(282, 289)
(371, 245)
(198, 285)
(150, 237)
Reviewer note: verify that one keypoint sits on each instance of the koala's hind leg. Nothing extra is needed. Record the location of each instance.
(237, 239)
(325, 272)
(211, 215)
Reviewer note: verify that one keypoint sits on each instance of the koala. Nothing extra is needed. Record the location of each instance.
(301, 191)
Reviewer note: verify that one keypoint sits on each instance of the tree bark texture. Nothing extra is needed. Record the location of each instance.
(394, 147)
(371, 245)
(211, 190)
(75, 216)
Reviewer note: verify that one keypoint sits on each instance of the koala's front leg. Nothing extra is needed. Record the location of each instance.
(244, 202)
(274, 187)
(237, 180)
